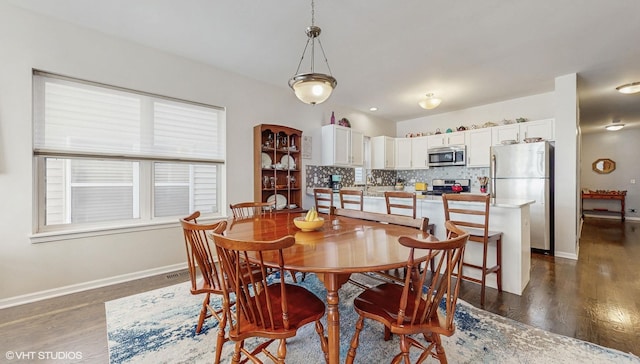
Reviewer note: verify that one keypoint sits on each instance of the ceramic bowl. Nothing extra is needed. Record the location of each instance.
(308, 225)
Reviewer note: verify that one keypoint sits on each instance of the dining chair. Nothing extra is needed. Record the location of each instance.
(397, 201)
(248, 209)
(244, 210)
(471, 212)
(425, 304)
(421, 223)
(352, 198)
(400, 200)
(212, 281)
(323, 198)
(265, 308)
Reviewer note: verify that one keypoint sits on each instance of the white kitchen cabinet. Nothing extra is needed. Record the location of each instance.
(530, 129)
(538, 129)
(419, 157)
(445, 139)
(505, 132)
(478, 147)
(403, 153)
(383, 152)
(342, 146)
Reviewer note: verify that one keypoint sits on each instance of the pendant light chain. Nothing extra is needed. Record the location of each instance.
(313, 13)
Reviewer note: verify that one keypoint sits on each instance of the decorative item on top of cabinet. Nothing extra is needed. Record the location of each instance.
(448, 138)
(518, 132)
(277, 166)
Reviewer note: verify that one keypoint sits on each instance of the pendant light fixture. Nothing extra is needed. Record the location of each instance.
(630, 88)
(429, 102)
(615, 125)
(313, 88)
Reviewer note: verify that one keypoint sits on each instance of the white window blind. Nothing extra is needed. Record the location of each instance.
(107, 155)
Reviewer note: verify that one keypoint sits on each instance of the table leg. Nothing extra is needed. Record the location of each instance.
(332, 284)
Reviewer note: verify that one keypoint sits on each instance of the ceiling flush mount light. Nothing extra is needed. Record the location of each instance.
(615, 125)
(429, 102)
(313, 88)
(630, 88)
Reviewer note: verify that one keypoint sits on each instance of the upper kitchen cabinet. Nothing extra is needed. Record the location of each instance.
(419, 157)
(383, 152)
(443, 140)
(518, 132)
(538, 129)
(403, 153)
(342, 146)
(478, 147)
(505, 132)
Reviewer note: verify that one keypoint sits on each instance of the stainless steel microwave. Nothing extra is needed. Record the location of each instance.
(454, 155)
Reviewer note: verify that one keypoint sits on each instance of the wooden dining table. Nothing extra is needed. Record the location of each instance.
(342, 246)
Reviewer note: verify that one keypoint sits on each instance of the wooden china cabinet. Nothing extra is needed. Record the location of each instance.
(277, 165)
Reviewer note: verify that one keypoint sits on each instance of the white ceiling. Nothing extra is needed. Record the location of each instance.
(388, 53)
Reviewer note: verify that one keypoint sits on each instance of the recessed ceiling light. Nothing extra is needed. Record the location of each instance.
(615, 125)
(630, 88)
(373, 108)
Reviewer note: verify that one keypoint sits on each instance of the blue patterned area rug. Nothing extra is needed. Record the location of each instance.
(159, 327)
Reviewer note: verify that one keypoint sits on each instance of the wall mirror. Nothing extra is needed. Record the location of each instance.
(603, 166)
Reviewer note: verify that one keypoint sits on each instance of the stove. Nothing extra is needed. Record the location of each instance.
(442, 186)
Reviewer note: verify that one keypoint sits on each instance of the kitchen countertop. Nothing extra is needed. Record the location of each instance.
(378, 193)
(511, 217)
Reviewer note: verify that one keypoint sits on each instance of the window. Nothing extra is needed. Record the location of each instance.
(361, 172)
(109, 157)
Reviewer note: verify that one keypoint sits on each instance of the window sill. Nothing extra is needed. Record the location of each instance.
(51, 236)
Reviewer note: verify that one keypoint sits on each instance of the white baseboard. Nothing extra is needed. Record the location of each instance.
(61, 291)
(613, 217)
(572, 256)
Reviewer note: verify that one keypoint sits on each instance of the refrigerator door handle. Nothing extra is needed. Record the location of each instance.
(493, 176)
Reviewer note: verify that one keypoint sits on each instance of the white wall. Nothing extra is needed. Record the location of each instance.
(536, 107)
(31, 41)
(567, 173)
(622, 147)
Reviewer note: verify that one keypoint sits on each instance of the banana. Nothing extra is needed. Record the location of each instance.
(311, 215)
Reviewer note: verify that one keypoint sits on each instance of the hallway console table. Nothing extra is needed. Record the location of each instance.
(605, 195)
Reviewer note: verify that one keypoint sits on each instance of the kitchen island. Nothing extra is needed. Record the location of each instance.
(512, 217)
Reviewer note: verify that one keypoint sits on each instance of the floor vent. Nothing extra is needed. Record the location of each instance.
(176, 275)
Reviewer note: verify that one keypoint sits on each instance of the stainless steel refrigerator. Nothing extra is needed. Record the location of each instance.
(525, 171)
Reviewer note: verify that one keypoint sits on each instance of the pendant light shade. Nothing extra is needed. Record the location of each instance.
(313, 88)
(429, 102)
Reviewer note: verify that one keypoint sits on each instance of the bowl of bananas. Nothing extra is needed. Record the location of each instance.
(310, 222)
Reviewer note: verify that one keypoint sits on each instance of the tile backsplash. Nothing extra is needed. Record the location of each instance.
(321, 174)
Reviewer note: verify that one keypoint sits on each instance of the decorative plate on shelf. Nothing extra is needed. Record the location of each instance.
(281, 201)
(266, 160)
(288, 162)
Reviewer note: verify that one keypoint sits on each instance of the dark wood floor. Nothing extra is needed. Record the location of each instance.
(596, 299)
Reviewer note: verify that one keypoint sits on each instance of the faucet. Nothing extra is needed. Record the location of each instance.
(369, 182)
